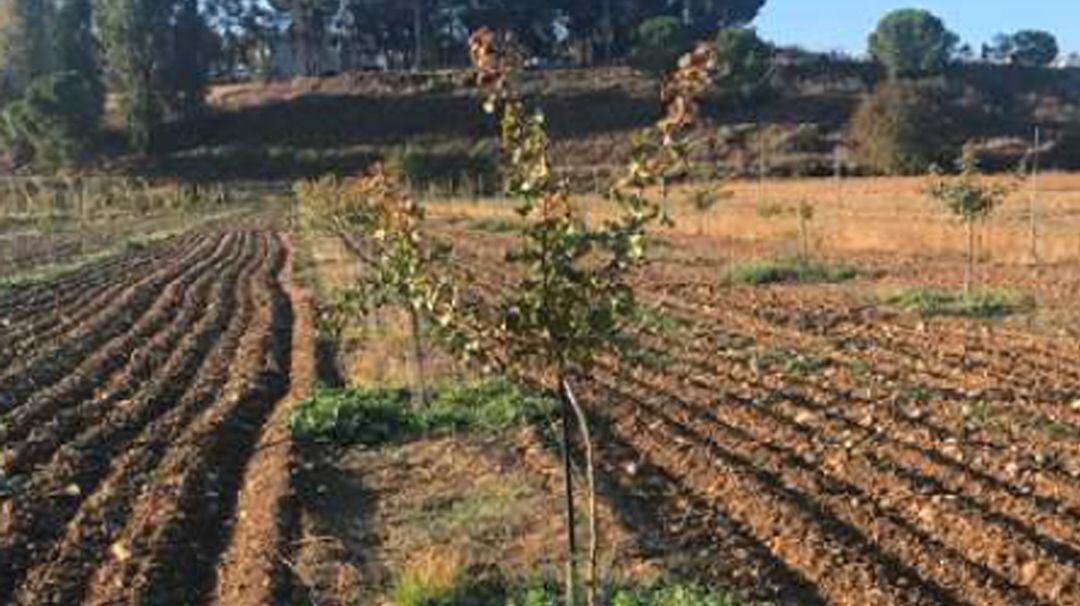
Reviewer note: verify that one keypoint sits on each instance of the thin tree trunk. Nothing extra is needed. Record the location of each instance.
(1034, 201)
(970, 257)
(421, 398)
(418, 34)
(805, 233)
(571, 523)
(590, 475)
(609, 32)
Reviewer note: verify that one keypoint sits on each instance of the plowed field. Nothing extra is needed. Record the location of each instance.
(816, 448)
(136, 404)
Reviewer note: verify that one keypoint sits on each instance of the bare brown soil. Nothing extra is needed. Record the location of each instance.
(828, 449)
(144, 450)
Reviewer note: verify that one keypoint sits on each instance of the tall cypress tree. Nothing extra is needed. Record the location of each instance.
(135, 35)
(188, 63)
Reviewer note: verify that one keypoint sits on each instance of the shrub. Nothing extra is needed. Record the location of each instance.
(904, 127)
(658, 44)
(776, 272)
(57, 121)
(425, 167)
(1066, 152)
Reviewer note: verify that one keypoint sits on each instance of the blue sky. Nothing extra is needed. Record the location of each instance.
(825, 25)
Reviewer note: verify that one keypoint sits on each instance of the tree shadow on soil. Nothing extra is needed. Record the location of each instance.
(339, 545)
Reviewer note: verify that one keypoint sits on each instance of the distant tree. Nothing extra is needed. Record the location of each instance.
(192, 43)
(658, 44)
(904, 127)
(703, 17)
(999, 50)
(55, 123)
(1033, 48)
(308, 27)
(743, 60)
(245, 30)
(971, 199)
(76, 47)
(24, 48)
(154, 51)
(912, 43)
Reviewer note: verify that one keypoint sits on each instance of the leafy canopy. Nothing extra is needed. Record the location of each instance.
(658, 44)
(911, 43)
(574, 298)
(966, 195)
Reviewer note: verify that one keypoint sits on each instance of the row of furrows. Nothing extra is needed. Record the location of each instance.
(1041, 495)
(988, 549)
(985, 506)
(851, 346)
(56, 358)
(51, 416)
(76, 305)
(866, 332)
(841, 542)
(26, 302)
(85, 485)
(1017, 412)
(1011, 356)
(1007, 456)
(179, 527)
(252, 569)
(904, 479)
(1011, 361)
(843, 349)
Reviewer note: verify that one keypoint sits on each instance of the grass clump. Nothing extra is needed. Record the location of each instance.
(493, 226)
(377, 416)
(438, 586)
(791, 271)
(987, 304)
(432, 578)
(675, 595)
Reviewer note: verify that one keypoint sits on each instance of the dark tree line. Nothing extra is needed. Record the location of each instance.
(429, 33)
(58, 57)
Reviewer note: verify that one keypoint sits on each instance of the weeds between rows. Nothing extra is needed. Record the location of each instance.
(374, 417)
(981, 304)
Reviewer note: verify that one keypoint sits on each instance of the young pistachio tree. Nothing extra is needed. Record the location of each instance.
(804, 212)
(404, 263)
(971, 199)
(573, 301)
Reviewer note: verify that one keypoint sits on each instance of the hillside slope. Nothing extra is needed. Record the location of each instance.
(305, 127)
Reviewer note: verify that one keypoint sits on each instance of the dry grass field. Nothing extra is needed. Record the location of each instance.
(888, 215)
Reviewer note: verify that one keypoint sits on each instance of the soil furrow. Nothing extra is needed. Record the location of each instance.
(51, 363)
(55, 415)
(251, 570)
(54, 493)
(179, 526)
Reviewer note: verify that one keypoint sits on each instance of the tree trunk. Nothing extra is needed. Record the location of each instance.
(609, 32)
(571, 523)
(590, 475)
(418, 34)
(805, 231)
(970, 271)
(420, 399)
